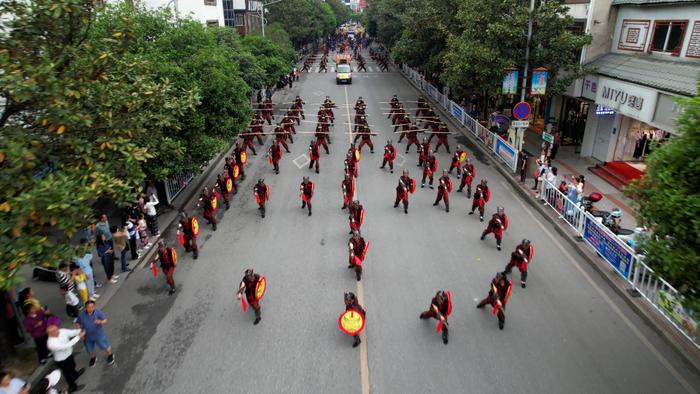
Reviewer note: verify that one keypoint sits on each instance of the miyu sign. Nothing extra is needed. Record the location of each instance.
(632, 100)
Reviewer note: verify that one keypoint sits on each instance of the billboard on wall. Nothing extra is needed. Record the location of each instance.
(456, 110)
(505, 152)
(510, 82)
(608, 246)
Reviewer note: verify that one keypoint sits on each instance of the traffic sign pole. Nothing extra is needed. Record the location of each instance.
(521, 111)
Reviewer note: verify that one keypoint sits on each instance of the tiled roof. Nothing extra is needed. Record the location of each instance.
(671, 76)
(652, 2)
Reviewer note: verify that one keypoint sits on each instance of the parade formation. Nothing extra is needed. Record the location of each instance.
(409, 119)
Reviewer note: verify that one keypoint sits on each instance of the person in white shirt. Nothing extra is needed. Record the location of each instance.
(151, 213)
(60, 343)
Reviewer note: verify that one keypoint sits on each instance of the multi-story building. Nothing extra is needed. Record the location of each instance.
(243, 15)
(644, 55)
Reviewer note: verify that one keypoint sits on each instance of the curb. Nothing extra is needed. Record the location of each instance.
(185, 199)
(663, 328)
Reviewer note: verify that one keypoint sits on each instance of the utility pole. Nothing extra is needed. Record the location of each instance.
(262, 13)
(523, 90)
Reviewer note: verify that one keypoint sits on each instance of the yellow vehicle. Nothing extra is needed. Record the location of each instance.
(343, 73)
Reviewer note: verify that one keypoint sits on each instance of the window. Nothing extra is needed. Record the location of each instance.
(228, 13)
(668, 36)
(212, 22)
(239, 20)
(210, 2)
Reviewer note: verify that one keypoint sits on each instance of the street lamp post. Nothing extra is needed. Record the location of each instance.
(262, 13)
(523, 90)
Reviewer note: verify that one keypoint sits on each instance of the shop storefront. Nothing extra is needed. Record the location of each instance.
(628, 119)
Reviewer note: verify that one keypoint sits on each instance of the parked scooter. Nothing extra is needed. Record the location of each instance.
(587, 202)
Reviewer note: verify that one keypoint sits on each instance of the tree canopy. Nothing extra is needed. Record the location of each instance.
(304, 20)
(668, 203)
(97, 99)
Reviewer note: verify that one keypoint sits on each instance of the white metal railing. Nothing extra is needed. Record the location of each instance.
(497, 145)
(175, 184)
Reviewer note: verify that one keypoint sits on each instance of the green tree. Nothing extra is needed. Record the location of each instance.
(491, 36)
(300, 18)
(384, 20)
(187, 54)
(80, 120)
(341, 11)
(425, 46)
(668, 203)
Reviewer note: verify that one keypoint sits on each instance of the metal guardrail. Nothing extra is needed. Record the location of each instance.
(175, 184)
(496, 144)
(626, 262)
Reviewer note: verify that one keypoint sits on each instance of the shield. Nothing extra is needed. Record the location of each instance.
(244, 157)
(351, 322)
(357, 155)
(173, 256)
(229, 185)
(362, 217)
(532, 254)
(214, 202)
(236, 171)
(449, 185)
(364, 251)
(487, 197)
(413, 186)
(505, 222)
(195, 226)
(462, 157)
(260, 288)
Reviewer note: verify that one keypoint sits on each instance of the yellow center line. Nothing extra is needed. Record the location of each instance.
(364, 365)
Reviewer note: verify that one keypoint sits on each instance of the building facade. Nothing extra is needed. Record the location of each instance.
(645, 54)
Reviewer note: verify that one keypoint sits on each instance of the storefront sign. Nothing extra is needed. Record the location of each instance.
(539, 81)
(510, 82)
(589, 87)
(548, 137)
(667, 111)
(603, 110)
(631, 100)
(608, 246)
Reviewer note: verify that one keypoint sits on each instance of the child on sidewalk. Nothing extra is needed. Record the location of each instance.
(80, 280)
(72, 302)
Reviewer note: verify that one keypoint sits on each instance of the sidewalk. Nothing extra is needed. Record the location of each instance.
(48, 291)
(570, 163)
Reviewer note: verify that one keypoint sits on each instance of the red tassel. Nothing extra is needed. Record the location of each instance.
(439, 326)
(244, 306)
(181, 239)
(154, 269)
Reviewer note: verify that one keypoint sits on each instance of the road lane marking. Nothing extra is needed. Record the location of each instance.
(687, 386)
(302, 158)
(364, 366)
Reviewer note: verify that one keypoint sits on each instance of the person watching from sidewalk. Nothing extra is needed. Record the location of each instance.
(105, 250)
(132, 229)
(72, 302)
(152, 214)
(48, 384)
(12, 385)
(92, 320)
(79, 278)
(35, 324)
(85, 264)
(60, 343)
(102, 228)
(64, 277)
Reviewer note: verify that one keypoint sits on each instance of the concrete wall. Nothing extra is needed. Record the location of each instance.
(601, 25)
(690, 13)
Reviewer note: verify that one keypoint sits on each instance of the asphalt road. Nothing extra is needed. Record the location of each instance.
(566, 333)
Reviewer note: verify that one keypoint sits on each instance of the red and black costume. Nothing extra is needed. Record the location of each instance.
(366, 135)
(351, 303)
(496, 226)
(281, 138)
(357, 216)
(262, 194)
(348, 187)
(406, 185)
(457, 162)
(166, 257)
(274, 155)
(357, 249)
(444, 189)
(306, 192)
(389, 156)
(209, 201)
(430, 166)
(481, 197)
(521, 258)
(248, 286)
(314, 156)
(423, 152)
(225, 187)
(498, 297)
(439, 309)
(189, 235)
(442, 134)
(468, 175)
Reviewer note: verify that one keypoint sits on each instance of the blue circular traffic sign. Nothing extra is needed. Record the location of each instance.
(521, 111)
